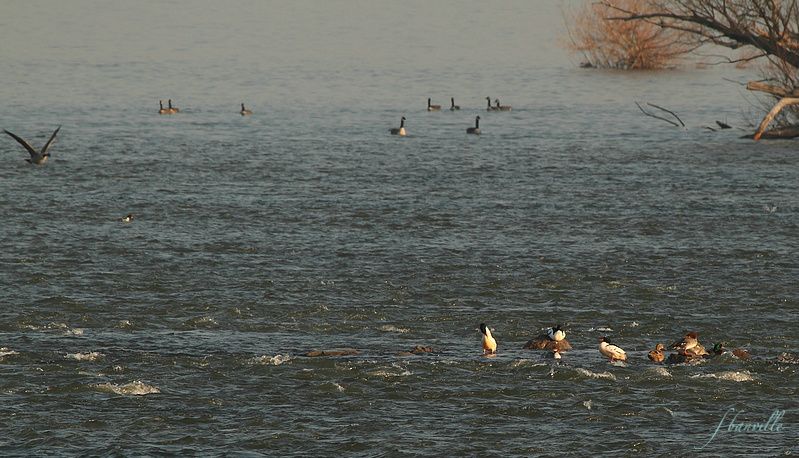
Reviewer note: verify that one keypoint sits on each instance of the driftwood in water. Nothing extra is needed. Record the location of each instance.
(784, 102)
(787, 98)
(651, 115)
(778, 133)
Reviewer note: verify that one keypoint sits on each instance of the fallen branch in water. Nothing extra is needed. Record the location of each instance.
(784, 102)
(660, 117)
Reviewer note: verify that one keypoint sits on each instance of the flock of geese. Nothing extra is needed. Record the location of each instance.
(688, 349)
(40, 157)
(430, 107)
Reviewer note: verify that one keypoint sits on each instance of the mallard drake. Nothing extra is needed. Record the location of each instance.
(489, 343)
(37, 157)
(657, 355)
(720, 349)
(614, 352)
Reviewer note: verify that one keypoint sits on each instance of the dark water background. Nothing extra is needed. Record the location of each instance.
(307, 226)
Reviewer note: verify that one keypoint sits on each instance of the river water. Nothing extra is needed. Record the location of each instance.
(306, 226)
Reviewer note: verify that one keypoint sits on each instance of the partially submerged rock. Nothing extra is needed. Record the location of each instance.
(332, 352)
(417, 350)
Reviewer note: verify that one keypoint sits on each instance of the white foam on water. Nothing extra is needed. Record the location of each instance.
(124, 324)
(601, 329)
(730, 376)
(134, 388)
(602, 375)
(267, 360)
(5, 351)
(392, 328)
(527, 362)
(588, 404)
(91, 356)
(660, 371)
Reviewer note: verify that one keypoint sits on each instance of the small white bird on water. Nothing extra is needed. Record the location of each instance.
(611, 351)
(37, 157)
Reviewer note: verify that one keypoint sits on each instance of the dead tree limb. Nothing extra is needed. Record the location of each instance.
(667, 111)
(656, 116)
(775, 110)
(770, 89)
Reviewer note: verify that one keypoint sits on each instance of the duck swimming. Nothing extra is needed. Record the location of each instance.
(489, 343)
(127, 218)
(37, 157)
(554, 339)
(689, 345)
(615, 353)
(657, 355)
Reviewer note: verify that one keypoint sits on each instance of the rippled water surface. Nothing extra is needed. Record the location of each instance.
(306, 226)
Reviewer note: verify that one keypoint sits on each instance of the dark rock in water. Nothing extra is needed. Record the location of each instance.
(586, 65)
(334, 352)
(543, 342)
(417, 350)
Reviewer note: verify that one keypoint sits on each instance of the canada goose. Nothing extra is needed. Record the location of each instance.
(476, 129)
(172, 110)
(399, 130)
(489, 343)
(39, 157)
(454, 107)
(162, 110)
(244, 111)
(611, 351)
(127, 218)
(657, 354)
(432, 107)
(502, 107)
(490, 108)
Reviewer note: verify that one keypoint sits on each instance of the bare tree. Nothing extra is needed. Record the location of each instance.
(627, 45)
(769, 26)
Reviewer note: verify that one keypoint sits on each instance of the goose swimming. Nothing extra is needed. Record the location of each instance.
(432, 107)
(490, 108)
(172, 110)
(476, 129)
(399, 130)
(454, 107)
(162, 110)
(37, 157)
(502, 107)
(244, 111)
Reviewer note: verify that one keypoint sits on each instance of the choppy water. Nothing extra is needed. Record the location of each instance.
(306, 226)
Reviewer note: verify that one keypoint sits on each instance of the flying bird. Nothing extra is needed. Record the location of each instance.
(37, 157)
